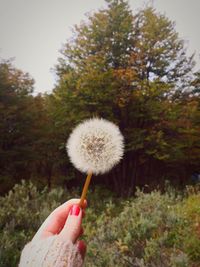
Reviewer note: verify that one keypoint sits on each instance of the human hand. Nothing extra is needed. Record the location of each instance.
(64, 225)
(65, 221)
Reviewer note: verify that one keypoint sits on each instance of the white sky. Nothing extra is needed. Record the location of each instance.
(33, 31)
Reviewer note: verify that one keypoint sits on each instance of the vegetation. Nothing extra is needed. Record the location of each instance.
(129, 68)
(132, 69)
(151, 229)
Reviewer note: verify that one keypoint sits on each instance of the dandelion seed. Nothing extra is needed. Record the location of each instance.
(95, 146)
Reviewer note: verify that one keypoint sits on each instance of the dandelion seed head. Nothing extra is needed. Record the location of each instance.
(96, 145)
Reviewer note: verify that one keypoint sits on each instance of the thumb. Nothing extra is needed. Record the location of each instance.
(72, 227)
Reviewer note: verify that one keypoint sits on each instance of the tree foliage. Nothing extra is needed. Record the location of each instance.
(28, 146)
(133, 70)
(17, 111)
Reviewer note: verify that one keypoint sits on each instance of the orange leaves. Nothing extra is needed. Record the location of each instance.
(127, 75)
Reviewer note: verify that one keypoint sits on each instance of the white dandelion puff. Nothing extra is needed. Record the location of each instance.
(95, 146)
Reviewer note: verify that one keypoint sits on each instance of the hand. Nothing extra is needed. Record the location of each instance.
(65, 221)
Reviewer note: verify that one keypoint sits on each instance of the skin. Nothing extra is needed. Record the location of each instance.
(67, 227)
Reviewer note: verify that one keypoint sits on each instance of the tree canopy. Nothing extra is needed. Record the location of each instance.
(133, 70)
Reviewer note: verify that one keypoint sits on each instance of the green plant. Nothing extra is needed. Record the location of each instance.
(149, 230)
(22, 212)
(152, 230)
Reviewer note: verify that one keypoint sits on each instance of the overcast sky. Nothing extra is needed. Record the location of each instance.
(33, 31)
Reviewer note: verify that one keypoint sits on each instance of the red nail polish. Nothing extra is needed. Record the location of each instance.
(75, 209)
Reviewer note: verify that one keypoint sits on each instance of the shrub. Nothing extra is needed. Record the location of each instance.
(25, 208)
(152, 230)
(22, 212)
(149, 230)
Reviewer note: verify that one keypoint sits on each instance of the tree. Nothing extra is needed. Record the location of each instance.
(16, 120)
(129, 69)
(51, 159)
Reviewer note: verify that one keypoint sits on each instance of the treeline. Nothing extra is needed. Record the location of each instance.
(130, 69)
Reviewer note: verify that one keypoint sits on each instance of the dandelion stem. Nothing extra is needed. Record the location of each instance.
(85, 188)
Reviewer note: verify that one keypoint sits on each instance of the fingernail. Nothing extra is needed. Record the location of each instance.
(75, 209)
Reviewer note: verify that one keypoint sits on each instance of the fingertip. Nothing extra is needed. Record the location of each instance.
(83, 213)
(82, 248)
(84, 206)
(81, 231)
(85, 202)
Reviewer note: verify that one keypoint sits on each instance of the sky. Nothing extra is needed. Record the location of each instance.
(33, 31)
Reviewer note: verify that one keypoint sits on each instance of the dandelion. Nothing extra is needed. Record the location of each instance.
(95, 147)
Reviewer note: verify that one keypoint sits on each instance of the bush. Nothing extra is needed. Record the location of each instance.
(22, 212)
(149, 230)
(24, 209)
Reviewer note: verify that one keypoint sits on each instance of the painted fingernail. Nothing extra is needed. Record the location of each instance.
(75, 209)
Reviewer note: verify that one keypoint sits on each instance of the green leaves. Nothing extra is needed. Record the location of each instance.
(133, 70)
(129, 68)
(147, 230)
